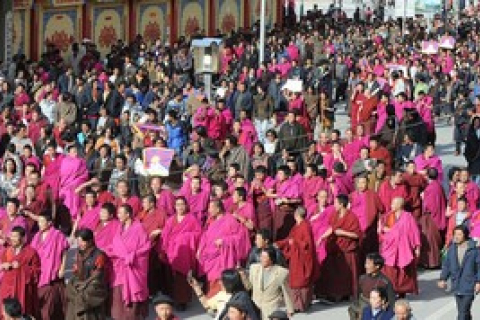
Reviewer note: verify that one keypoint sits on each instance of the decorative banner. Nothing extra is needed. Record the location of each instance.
(60, 3)
(447, 42)
(228, 15)
(429, 47)
(428, 6)
(108, 27)
(157, 161)
(293, 85)
(193, 17)
(60, 28)
(151, 19)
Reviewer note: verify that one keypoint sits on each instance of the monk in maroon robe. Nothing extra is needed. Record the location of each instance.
(258, 192)
(432, 222)
(392, 188)
(339, 272)
(51, 172)
(9, 221)
(366, 205)
(153, 221)
(285, 195)
(379, 152)
(21, 272)
(400, 247)
(299, 249)
(180, 239)
(415, 183)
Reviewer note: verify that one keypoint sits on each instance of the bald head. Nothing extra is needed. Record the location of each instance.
(397, 204)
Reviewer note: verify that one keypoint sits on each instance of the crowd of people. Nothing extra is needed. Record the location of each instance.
(269, 204)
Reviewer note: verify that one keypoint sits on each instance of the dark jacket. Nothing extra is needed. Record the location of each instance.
(463, 276)
(367, 314)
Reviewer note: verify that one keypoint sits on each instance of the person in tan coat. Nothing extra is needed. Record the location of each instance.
(269, 284)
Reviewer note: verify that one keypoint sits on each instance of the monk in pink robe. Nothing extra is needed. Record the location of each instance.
(392, 188)
(432, 222)
(197, 198)
(243, 210)
(73, 173)
(179, 244)
(51, 246)
(312, 184)
(89, 213)
(224, 244)
(285, 196)
(165, 197)
(320, 222)
(429, 160)
(472, 191)
(399, 237)
(129, 253)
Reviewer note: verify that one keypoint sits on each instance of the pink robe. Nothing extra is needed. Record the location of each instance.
(198, 203)
(381, 116)
(342, 184)
(424, 108)
(397, 245)
(435, 203)
(246, 211)
(73, 173)
(90, 218)
(180, 242)
(166, 201)
(50, 250)
(475, 225)
(433, 162)
(51, 174)
(133, 201)
(129, 253)
(103, 233)
(320, 225)
(248, 136)
(233, 251)
(311, 187)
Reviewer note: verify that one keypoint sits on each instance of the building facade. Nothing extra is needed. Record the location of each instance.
(63, 22)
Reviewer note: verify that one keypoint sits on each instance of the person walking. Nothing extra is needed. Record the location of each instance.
(462, 267)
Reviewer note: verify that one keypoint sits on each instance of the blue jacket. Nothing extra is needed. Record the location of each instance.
(463, 276)
(367, 314)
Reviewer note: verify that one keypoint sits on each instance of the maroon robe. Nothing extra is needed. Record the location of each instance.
(387, 193)
(339, 272)
(299, 249)
(21, 283)
(416, 183)
(133, 201)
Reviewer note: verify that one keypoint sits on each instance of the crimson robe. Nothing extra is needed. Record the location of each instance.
(300, 254)
(21, 283)
(357, 103)
(387, 193)
(133, 201)
(368, 208)
(197, 202)
(339, 272)
(434, 203)
(381, 153)
(415, 183)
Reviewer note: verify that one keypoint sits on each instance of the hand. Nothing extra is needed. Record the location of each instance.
(338, 232)
(290, 242)
(417, 252)
(6, 266)
(290, 315)
(218, 242)
(61, 273)
(443, 284)
(477, 288)
(15, 265)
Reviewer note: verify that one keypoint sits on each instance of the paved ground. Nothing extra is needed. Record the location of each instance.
(431, 304)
